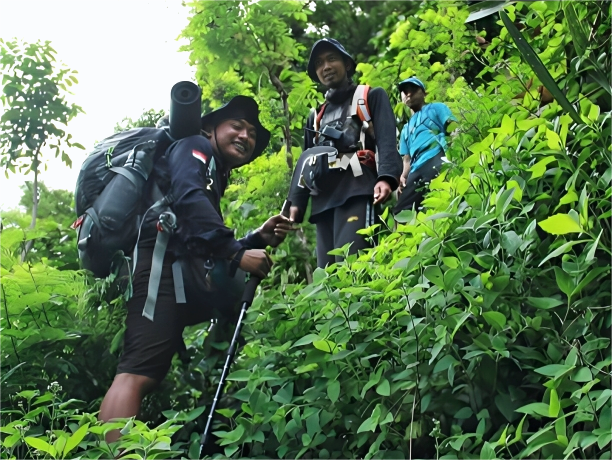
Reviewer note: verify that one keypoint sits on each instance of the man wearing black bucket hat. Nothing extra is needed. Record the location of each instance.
(350, 163)
(202, 251)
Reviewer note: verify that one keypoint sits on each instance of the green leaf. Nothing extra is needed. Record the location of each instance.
(582, 375)
(579, 38)
(41, 445)
(589, 278)
(554, 370)
(371, 422)
(561, 250)
(564, 281)
(538, 169)
(241, 375)
(434, 274)
(333, 391)
(534, 409)
(383, 388)
(306, 340)
(591, 254)
(560, 224)
(75, 439)
(232, 436)
(495, 319)
(444, 363)
(539, 68)
(487, 452)
(554, 407)
(518, 191)
(570, 197)
(324, 345)
(544, 303)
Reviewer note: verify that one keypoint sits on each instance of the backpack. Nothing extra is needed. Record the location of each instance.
(113, 182)
(359, 107)
(109, 193)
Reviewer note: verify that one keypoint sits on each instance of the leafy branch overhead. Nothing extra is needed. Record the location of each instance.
(252, 40)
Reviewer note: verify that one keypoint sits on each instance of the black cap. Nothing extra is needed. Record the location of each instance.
(243, 108)
(327, 42)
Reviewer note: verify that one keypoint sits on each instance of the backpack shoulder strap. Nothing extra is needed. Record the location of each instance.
(317, 120)
(359, 105)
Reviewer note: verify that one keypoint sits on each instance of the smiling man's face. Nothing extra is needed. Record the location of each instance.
(330, 68)
(235, 140)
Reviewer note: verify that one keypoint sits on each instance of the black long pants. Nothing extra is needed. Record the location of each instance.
(338, 226)
(417, 184)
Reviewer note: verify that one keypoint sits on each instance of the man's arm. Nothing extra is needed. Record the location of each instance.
(404, 177)
(389, 161)
(404, 151)
(299, 195)
(444, 117)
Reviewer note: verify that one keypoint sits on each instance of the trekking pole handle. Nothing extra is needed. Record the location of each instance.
(249, 290)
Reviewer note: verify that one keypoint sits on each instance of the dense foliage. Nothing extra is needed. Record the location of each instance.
(477, 329)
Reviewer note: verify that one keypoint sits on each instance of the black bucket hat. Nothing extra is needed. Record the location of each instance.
(243, 108)
(327, 42)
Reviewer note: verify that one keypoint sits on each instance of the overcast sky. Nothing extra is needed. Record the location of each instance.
(127, 57)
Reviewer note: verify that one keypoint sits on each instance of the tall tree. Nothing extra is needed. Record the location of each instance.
(37, 112)
(248, 47)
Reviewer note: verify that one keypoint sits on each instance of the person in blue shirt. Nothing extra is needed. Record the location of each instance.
(422, 143)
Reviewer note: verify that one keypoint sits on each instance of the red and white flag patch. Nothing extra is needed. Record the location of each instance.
(200, 156)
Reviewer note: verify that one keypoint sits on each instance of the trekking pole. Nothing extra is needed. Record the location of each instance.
(247, 299)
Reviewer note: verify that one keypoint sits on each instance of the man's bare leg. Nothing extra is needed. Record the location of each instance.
(124, 398)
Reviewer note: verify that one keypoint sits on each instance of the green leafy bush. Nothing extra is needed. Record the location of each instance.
(478, 329)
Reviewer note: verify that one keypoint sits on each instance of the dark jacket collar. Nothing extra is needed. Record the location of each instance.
(340, 95)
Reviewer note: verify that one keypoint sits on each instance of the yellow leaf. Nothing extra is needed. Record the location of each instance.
(560, 224)
(518, 192)
(554, 141)
(569, 197)
(538, 169)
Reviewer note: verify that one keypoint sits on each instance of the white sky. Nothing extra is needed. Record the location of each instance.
(127, 58)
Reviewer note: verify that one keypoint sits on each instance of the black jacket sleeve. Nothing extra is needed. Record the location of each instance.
(389, 160)
(200, 225)
(253, 240)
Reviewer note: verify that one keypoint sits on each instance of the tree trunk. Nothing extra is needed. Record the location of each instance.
(287, 128)
(35, 193)
(30, 243)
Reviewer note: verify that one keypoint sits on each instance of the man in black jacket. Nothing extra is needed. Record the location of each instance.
(197, 168)
(344, 199)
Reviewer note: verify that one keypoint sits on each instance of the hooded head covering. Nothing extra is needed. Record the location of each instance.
(329, 43)
(241, 108)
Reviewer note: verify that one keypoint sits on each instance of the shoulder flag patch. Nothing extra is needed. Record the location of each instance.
(199, 156)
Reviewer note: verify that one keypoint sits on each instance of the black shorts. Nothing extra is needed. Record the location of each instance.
(149, 346)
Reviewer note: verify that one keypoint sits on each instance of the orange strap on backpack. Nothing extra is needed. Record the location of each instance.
(359, 107)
